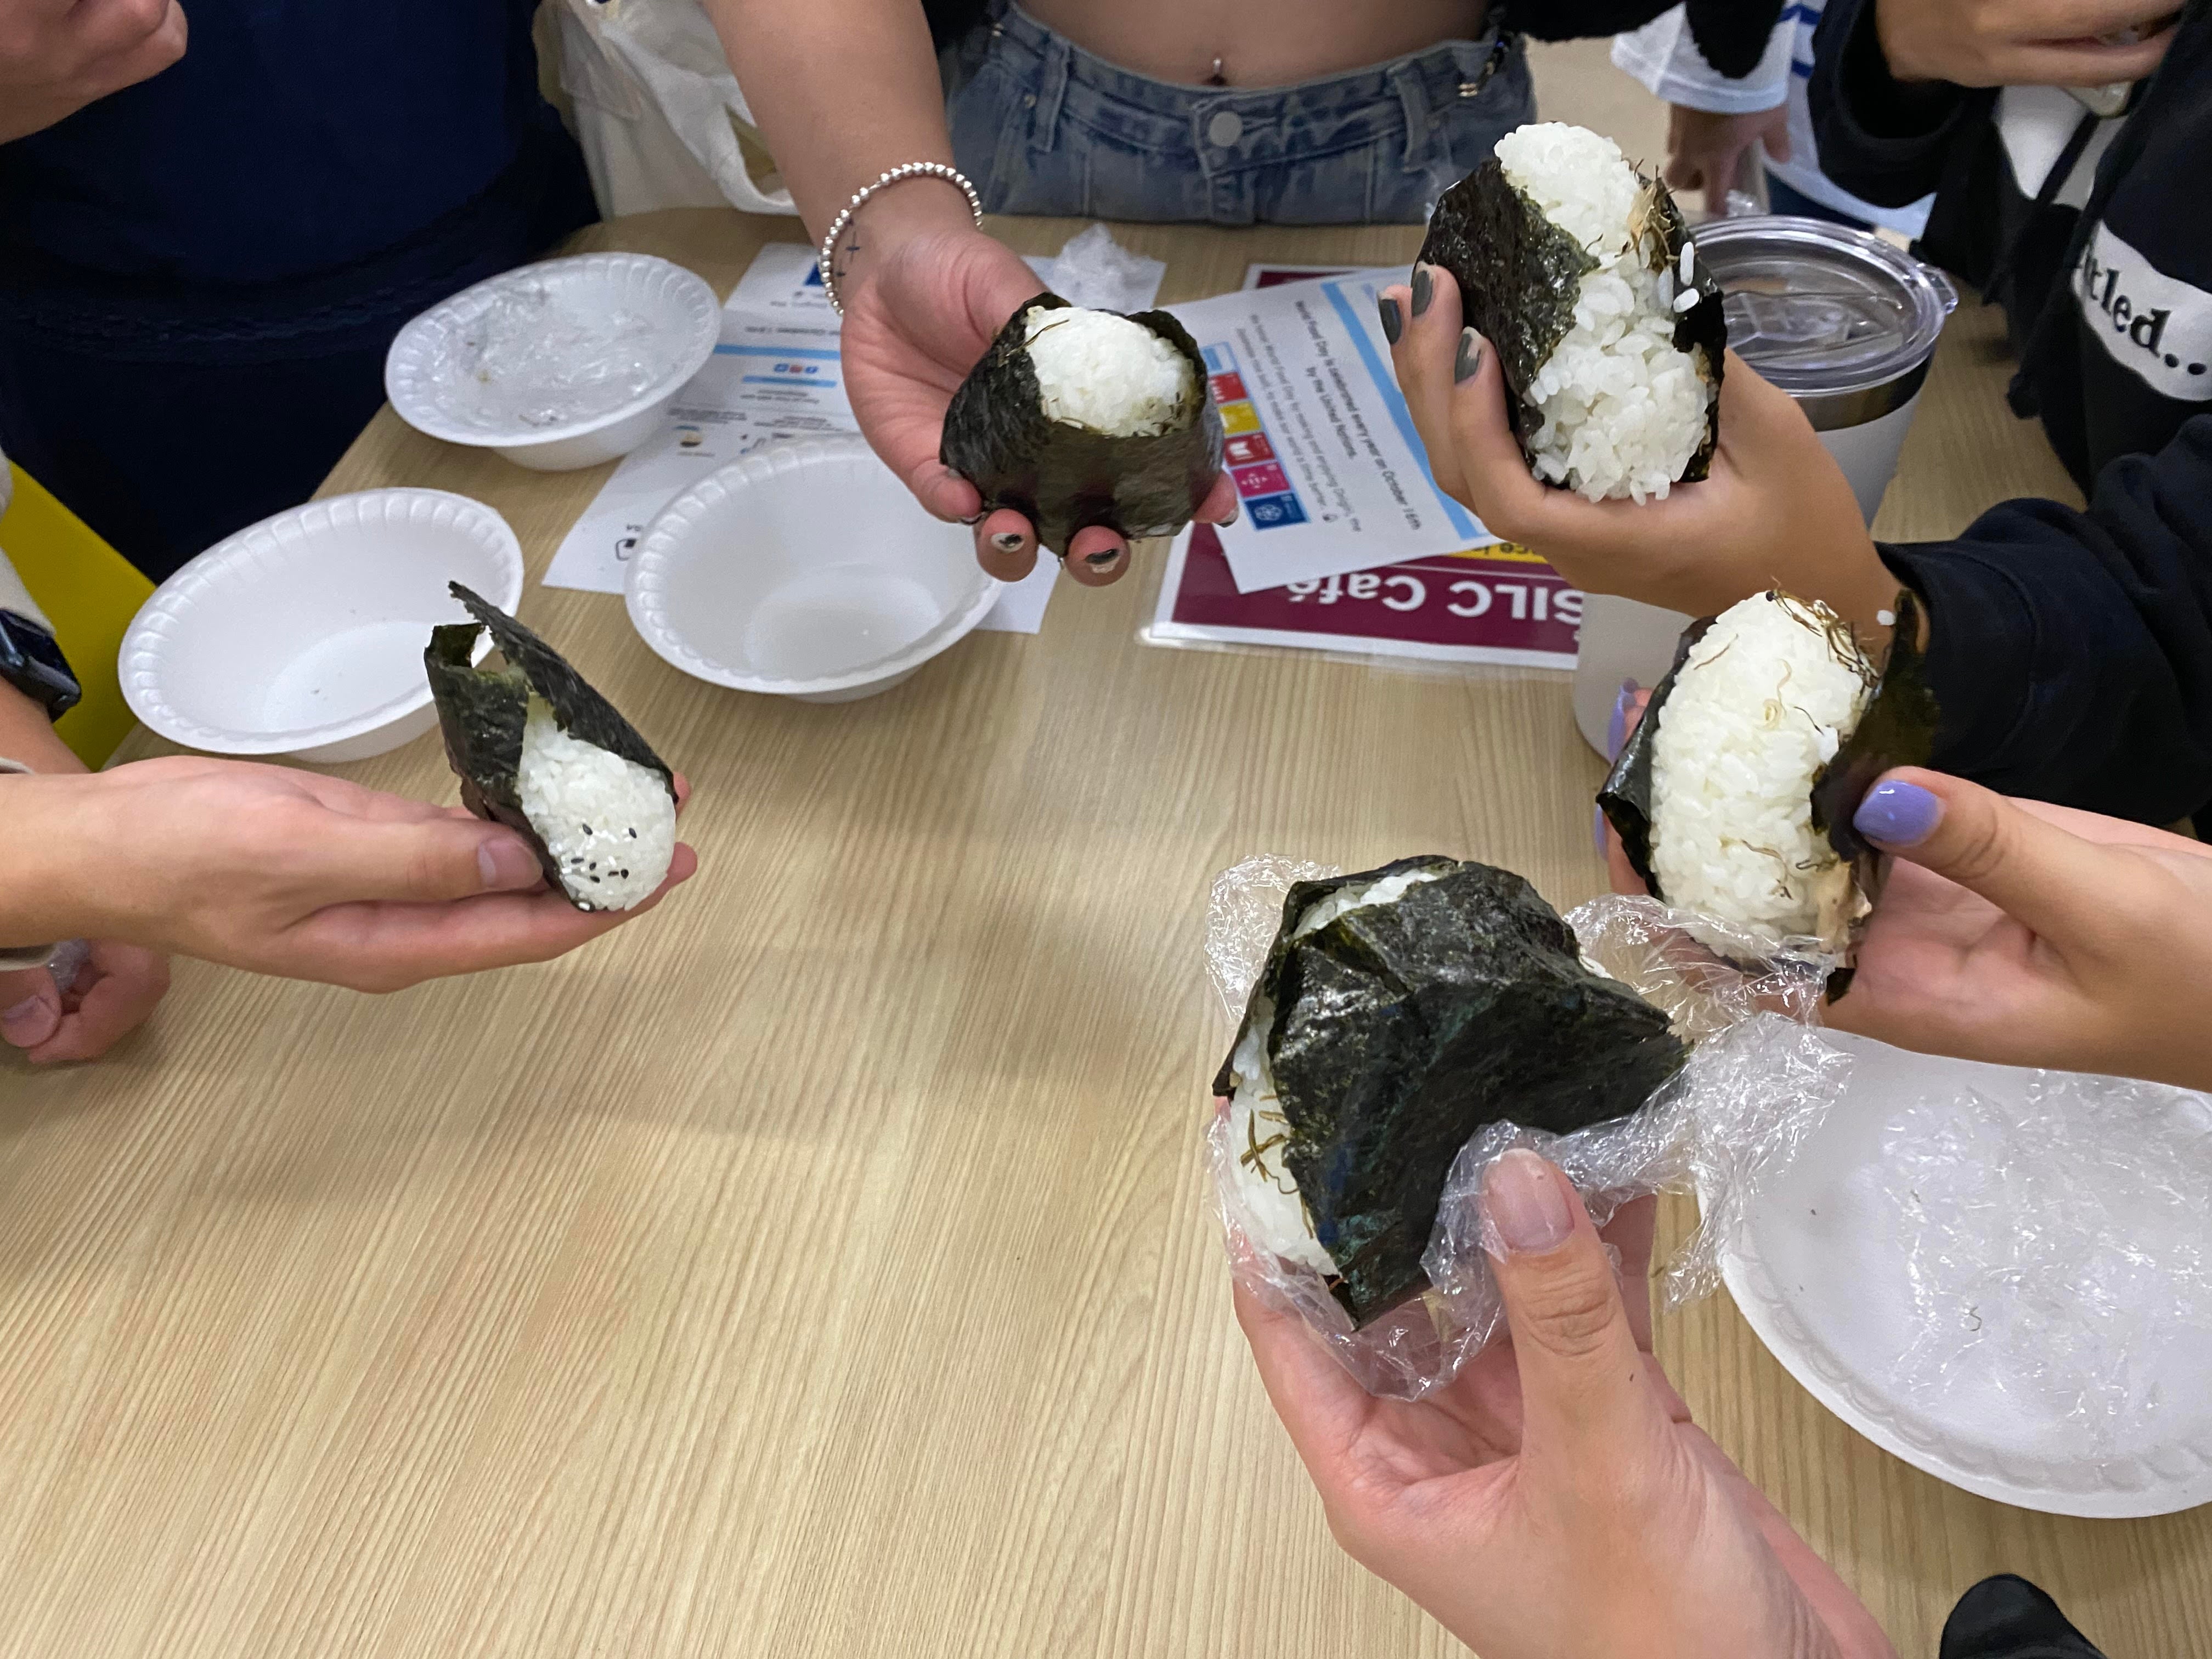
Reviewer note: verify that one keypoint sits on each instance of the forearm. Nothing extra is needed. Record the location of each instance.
(26, 735)
(842, 90)
(2071, 651)
(1880, 139)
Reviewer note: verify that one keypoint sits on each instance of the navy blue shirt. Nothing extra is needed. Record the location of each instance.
(294, 137)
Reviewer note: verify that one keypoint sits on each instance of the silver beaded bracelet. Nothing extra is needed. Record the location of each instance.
(911, 170)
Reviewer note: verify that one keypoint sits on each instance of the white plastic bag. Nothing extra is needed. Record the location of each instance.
(659, 112)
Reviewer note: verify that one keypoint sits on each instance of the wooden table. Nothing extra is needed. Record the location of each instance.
(822, 1267)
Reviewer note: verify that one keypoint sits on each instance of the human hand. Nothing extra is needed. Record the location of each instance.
(58, 56)
(2025, 934)
(1775, 510)
(114, 991)
(1706, 150)
(292, 873)
(920, 313)
(1556, 1500)
(2009, 43)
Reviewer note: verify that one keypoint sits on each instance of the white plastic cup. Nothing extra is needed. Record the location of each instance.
(1845, 324)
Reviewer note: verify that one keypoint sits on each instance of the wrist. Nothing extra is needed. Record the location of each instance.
(909, 210)
(44, 822)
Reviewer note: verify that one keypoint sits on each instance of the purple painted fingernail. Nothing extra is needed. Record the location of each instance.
(1616, 727)
(1897, 814)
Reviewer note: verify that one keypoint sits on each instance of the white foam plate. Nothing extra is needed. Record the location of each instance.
(806, 570)
(422, 380)
(303, 634)
(1821, 1275)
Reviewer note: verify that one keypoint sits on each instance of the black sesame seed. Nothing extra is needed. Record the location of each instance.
(633, 835)
(595, 880)
(587, 829)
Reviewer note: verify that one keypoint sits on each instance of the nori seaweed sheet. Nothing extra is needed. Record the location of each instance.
(482, 711)
(1398, 1030)
(1897, 729)
(1519, 275)
(1064, 478)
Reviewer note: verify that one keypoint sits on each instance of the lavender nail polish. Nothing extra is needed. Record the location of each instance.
(1897, 814)
(1616, 725)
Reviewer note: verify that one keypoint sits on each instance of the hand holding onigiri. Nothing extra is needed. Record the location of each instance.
(1734, 795)
(1078, 418)
(1580, 272)
(539, 750)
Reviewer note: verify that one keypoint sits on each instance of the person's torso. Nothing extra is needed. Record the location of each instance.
(1278, 44)
(294, 137)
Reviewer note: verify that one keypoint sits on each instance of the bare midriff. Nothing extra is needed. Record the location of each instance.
(1273, 43)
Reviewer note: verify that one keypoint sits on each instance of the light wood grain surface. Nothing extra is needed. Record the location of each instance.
(821, 1266)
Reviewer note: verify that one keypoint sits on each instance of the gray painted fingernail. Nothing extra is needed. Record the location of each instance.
(1105, 561)
(1394, 324)
(1470, 356)
(1009, 541)
(1424, 289)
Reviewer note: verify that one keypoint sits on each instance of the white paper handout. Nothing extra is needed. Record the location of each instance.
(775, 376)
(1330, 473)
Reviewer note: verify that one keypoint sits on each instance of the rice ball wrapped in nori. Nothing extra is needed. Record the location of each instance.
(1078, 417)
(1400, 1011)
(1734, 795)
(539, 750)
(1580, 274)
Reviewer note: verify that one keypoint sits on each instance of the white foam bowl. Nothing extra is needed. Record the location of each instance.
(303, 634)
(806, 571)
(423, 382)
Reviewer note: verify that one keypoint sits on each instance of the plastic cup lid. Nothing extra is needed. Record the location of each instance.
(1820, 308)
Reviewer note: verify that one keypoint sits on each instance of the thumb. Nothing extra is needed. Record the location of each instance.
(30, 1007)
(1582, 1375)
(430, 861)
(2047, 879)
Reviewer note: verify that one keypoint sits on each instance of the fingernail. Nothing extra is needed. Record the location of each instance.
(1525, 1209)
(1424, 289)
(1236, 512)
(1104, 561)
(1393, 324)
(1470, 356)
(1897, 814)
(1597, 830)
(506, 864)
(972, 520)
(29, 1023)
(1616, 727)
(1009, 541)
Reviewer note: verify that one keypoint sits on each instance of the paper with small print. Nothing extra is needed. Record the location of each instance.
(1329, 471)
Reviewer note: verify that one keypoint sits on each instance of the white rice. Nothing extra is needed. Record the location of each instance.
(1098, 370)
(609, 823)
(1763, 703)
(1622, 411)
(1257, 1125)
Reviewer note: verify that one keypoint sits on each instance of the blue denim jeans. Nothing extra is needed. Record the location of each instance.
(1042, 126)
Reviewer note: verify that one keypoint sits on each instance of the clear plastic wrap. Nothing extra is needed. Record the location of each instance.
(1093, 270)
(1756, 1086)
(2061, 1248)
(535, 358)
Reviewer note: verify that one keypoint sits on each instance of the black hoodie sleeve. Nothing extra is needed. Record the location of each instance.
(2071, 653)
(1884, 141)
